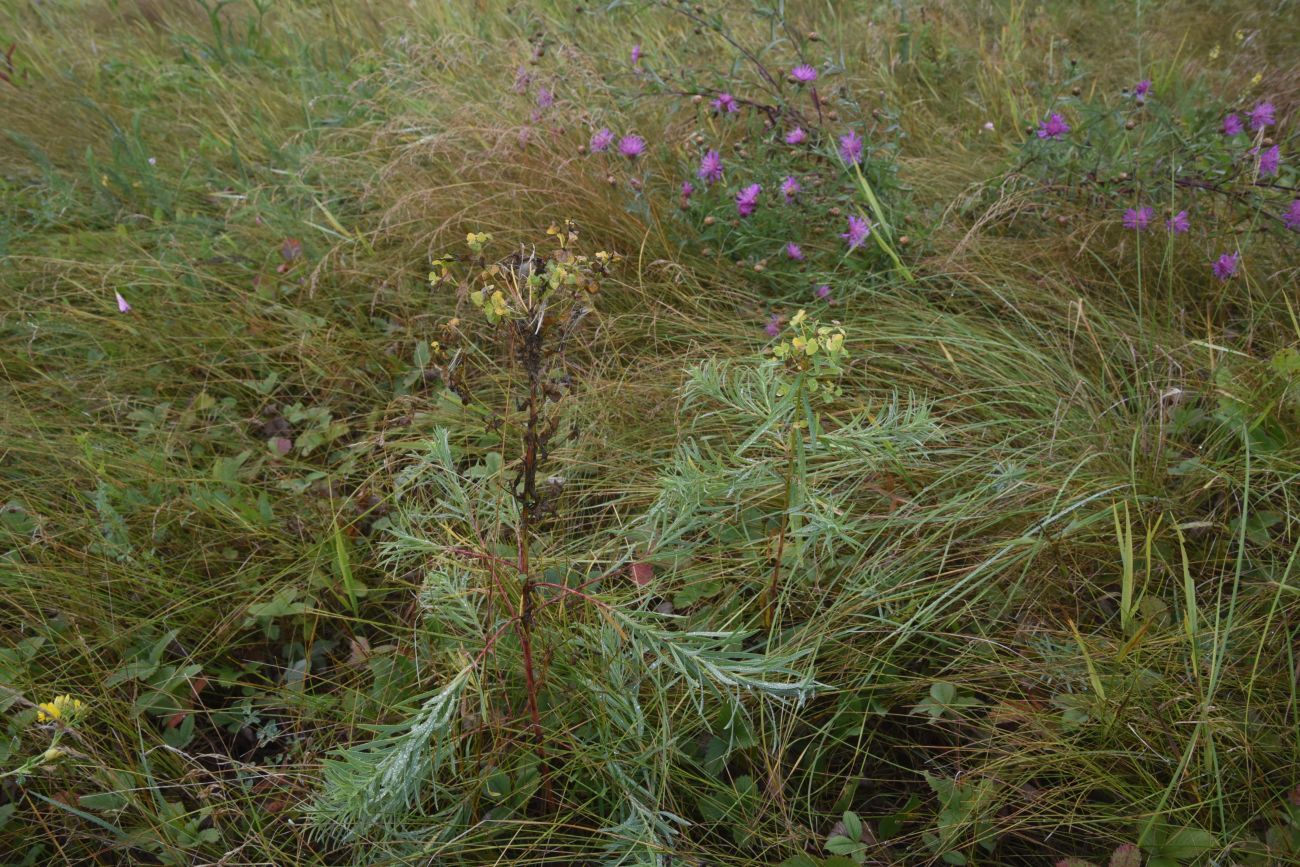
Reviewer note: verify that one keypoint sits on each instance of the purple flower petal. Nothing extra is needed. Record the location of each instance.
(859, 229)
(1226, 266)
(851, 147)
(601, 139)
(804, 74)
(1261, 116)
(747, 200)
(710, 170)
(1054, 127)
(631, 146)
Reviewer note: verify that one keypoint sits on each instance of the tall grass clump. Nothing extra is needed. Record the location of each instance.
(649, 432)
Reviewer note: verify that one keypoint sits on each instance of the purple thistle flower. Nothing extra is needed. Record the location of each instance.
(631, 146)
(822, 292)
(773, 326)
(747, 199)
(1261, 116)
(122, 306)
(1291, 219)
(636, 54)
(687, 189)
(1178, 224)
(1142, 88)
(851, 147)
(1138, 218)
(1226, 266)
(796, 136)
(1268, 161)
(710, 167)
(1232, 125)
(545, 99)
(601, 139)
(1054, 127)
(725, 103)
(789, 187)
(794, 251)
(859, 229)
(521, 80)
(803, 73)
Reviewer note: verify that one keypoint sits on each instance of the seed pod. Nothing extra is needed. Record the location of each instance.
(1076, 90)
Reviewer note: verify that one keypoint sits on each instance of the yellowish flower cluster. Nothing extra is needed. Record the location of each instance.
(440, 271)
(63, 708)
(513, 287)
(814, 351)
(492, 301)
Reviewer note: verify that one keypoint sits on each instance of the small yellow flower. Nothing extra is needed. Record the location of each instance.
(799, 317)
(63, 707)
(476, 240)
(441, 271)
(1256, 79)
(1239, 35)
(1214, 52)
(53, 754)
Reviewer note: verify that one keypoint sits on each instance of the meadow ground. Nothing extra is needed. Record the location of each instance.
(350, 535)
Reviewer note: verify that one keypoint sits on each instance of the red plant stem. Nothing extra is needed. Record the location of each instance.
(770, 603)
(491, 642)
(480, 555)
(528, 501)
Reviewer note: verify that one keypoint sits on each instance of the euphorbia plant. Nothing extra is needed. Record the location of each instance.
(539, 632)
(810, 358)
